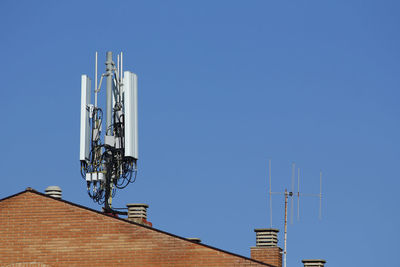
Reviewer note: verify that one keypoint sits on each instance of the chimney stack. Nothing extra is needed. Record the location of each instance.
(53, 191)
(137, 212)
(266, 249)
(314, 263)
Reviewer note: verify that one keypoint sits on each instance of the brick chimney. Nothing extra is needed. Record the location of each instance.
(266, 249)
(137, 212)
(314, 263)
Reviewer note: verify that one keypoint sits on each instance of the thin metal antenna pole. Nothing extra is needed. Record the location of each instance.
(109, 89)
(270, 194)
(109, 92)
(320, 195)
(95, 82)
(285, 239)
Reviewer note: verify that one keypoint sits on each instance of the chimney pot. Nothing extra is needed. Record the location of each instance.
(266, 237)
(137, 212)
(314, 263)
(54, 191)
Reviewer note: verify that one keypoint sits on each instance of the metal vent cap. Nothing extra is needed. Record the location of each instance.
(54, 191)
(267, 237)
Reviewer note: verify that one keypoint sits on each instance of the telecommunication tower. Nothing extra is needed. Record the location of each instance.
(109, 158)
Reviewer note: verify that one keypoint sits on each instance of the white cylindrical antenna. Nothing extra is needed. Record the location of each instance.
(131, 120)
(95, 81)
(118, 68)
(320, 195)
(293, 173)
(85, 115)
(298, 194)
(121, 78)
(121, 68)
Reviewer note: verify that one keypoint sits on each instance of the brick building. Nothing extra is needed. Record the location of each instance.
(38, 229)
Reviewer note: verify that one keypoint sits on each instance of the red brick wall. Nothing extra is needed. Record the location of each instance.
(270, 255)
(40, 230)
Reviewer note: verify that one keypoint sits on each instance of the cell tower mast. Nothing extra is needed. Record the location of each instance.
(109, 160)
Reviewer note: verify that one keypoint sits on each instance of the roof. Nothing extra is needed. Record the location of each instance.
(112, 233)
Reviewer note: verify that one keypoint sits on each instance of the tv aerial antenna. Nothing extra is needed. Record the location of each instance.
(292, 194)
(109, 158)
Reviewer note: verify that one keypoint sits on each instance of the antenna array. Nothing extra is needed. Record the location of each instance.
(109, 160)
(291, 194)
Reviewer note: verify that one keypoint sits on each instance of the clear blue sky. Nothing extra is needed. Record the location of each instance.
(224, 86)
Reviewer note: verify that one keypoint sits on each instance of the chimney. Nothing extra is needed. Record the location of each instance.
(137, 212)
(266, 249)
(53, 191)
(314, 263)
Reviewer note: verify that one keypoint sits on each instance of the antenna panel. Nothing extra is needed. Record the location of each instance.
(131, 115)
(85, 127)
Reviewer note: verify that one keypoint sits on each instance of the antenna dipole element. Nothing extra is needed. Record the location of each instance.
(270, 193)
(298, 194)
(320, 195)
(291, 200)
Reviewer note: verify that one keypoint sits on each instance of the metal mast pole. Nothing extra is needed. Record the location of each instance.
(109, 88)
(285, 238)
(109, 93)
